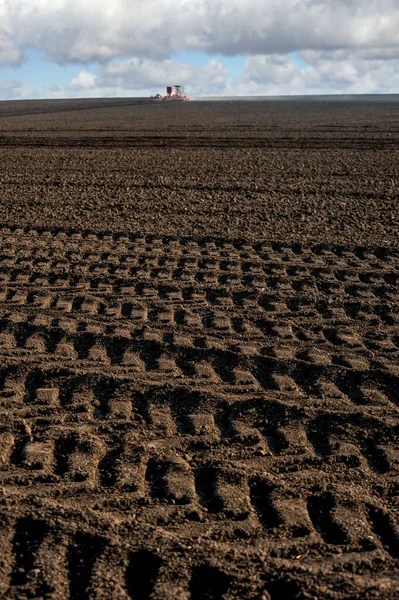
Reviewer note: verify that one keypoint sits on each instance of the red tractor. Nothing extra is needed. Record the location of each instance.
(173, 93)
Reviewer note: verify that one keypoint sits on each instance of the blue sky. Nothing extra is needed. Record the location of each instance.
(39, 70)
(39, 73)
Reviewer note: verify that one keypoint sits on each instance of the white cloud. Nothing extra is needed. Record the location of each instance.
(9, 89)
(85, 80)
(86, 30)
(10, 54)
(324, 73)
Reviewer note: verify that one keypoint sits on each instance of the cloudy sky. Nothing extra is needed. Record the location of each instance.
(94, 48)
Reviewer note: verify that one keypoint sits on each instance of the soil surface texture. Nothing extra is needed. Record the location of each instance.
(199, 345)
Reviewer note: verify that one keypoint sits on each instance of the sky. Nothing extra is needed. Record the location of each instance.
(103, 48)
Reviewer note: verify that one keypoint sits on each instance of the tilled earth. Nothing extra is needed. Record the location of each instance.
(199, 340)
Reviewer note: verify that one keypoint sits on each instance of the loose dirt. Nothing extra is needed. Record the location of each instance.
(199, 342)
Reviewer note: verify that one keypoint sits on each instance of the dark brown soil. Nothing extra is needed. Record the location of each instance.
(199, 342)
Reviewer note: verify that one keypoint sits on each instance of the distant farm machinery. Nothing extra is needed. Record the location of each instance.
(173, 93)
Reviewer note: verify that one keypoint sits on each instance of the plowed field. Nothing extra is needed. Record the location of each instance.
(199, 345)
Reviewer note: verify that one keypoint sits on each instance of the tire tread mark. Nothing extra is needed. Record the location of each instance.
(141, 574)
